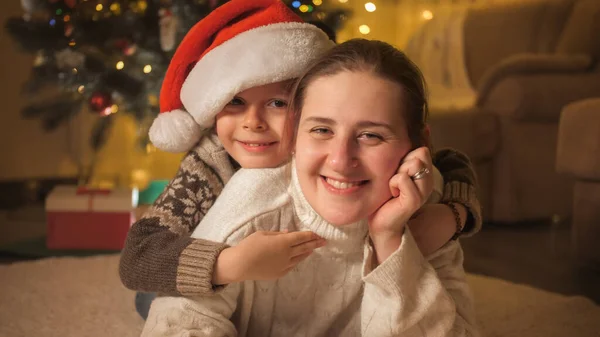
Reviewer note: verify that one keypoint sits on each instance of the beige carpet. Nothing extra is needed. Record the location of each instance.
(79, 297)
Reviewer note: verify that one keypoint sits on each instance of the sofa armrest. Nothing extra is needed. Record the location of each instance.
(539, 98)
(529, 63)
(579, 141)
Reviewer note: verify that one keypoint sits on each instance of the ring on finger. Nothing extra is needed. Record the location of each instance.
(420, 174)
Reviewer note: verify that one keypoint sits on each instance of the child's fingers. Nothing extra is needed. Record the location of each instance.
(298, 238)
(297, 259)
(307, 247)
(269, 233)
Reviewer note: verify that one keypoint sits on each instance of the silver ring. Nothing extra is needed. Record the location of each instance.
(420, 174)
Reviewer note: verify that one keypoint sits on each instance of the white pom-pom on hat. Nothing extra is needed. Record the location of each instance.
(175, 131)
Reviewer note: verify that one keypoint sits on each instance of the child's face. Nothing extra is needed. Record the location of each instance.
(351, 138)
(251, 126)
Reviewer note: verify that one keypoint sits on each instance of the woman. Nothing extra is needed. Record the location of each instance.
(354, 181)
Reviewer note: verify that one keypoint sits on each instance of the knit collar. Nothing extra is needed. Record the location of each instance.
(345, 239)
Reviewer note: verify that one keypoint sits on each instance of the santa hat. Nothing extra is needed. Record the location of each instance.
(240, 45)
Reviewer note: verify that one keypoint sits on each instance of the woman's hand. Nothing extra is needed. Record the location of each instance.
(386, 225)
(264, 256)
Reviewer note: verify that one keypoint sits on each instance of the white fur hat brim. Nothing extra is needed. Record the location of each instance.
(263, 55)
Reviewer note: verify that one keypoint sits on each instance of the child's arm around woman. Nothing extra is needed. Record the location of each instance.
(159, 254)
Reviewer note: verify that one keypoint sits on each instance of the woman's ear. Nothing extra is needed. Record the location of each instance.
(426, 136)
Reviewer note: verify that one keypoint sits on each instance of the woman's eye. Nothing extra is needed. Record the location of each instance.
(371, 137)
(277, 103)
(236, 101)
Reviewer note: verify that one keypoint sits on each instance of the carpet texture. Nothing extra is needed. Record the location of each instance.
(79, 297)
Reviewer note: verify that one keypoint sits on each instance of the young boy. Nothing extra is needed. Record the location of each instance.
(233, 66)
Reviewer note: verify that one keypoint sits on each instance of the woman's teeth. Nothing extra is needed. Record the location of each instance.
(257, 145)
(340, 185)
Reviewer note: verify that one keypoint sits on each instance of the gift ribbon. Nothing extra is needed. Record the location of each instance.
(91, 192)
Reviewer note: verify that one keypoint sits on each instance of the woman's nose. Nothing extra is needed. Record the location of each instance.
(343, 155)
(254, 121)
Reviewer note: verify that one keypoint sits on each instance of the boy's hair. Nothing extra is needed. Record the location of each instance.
(378, 58)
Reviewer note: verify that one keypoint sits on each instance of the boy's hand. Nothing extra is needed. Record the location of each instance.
(264, 256)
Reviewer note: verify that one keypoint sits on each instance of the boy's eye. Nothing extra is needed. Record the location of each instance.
(277, 103)
(320, 132)
(236, 101)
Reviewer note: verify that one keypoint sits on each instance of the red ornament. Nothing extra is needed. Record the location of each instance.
(100, 101)
(125, 46)
(68, 29)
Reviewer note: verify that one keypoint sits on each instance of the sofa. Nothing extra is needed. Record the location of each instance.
(525, 61)
(578, 156)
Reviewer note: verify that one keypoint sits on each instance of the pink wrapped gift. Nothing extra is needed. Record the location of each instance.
(83, 218)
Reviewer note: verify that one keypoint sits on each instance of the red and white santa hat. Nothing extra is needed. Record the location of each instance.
(240, 45)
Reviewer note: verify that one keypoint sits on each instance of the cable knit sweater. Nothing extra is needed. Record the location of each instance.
(159, 254)
(334, 292)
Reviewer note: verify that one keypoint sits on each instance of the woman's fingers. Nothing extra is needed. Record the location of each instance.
(422, 154)
(411, 194)
(417, 166)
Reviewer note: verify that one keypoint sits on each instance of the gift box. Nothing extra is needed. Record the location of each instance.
(86, 218)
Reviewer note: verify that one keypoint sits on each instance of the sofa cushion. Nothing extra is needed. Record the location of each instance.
(579, 140)
(470, 131)
(582, 30)
(495, 32)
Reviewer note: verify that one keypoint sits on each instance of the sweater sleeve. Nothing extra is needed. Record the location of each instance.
(159, 255)
(460, 185)
(407, 295)
(205, 316)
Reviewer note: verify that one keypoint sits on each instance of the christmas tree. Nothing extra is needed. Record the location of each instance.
(109, 56)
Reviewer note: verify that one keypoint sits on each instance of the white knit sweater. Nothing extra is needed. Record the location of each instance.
(334, 292)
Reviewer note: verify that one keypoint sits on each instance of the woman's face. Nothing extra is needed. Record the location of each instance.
(351, 138)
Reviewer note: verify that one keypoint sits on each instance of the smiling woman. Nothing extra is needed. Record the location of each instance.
(349, 144)
(353, 182)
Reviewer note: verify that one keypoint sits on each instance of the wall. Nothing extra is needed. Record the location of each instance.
(394, 21)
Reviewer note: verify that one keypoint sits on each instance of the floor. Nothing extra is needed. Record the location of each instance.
(537, 254)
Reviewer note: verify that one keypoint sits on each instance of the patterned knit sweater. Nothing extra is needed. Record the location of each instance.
(159, 254)
(334, 292)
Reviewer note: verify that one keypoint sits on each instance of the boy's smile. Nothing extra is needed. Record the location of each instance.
(257, 147)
